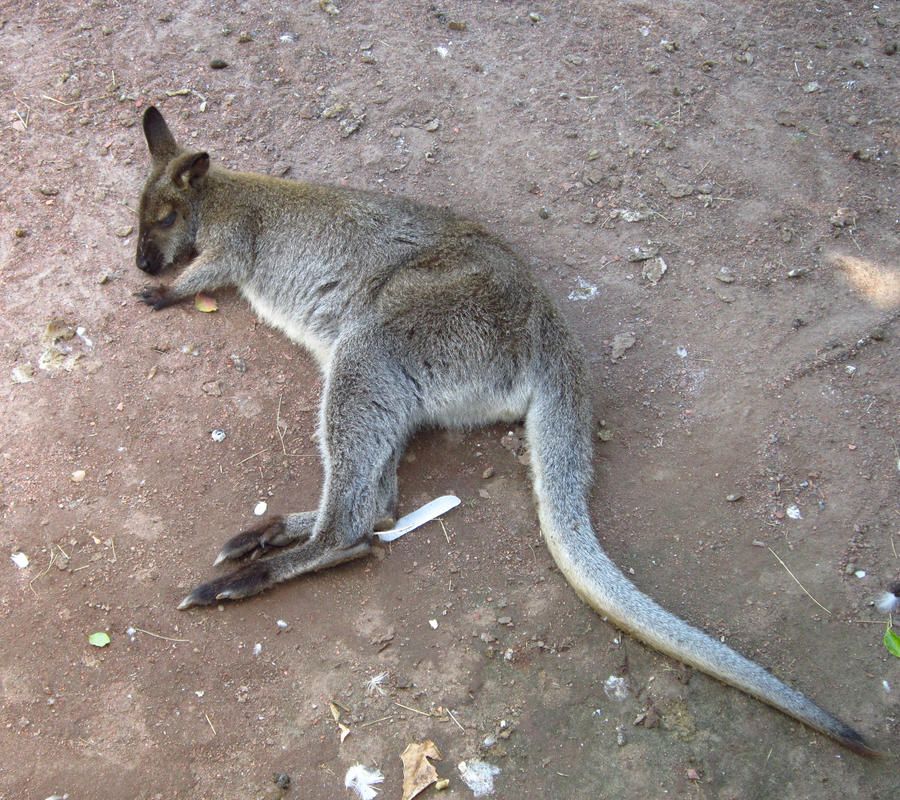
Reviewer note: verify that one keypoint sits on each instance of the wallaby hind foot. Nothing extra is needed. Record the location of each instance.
(264, 573)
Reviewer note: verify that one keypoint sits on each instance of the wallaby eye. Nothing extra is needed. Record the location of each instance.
(168, 220)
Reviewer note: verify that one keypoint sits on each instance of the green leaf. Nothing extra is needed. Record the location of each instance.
(892, 641)
(101, 639)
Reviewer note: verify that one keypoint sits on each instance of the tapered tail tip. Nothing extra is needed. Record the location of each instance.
(858, 744)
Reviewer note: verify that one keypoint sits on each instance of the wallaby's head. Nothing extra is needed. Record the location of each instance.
(168, 212)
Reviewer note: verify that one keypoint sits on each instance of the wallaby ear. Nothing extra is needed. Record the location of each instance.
(189, 169)
(159, 137)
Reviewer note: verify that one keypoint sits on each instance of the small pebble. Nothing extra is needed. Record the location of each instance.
(218, 63)
(281, 780)
(217, 435)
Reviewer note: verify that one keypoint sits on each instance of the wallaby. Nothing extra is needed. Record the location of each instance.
(417, 318)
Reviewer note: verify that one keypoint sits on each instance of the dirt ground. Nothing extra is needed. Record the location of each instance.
(746, 400)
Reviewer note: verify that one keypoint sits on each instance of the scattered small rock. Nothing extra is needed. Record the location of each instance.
(724, 275)
(218, 63)
(644, 252)
(23, 373)
(654, 269)
(544, 212)
(616, 688)
(632, 215)
(734, 498)
(238, 363)
(843, 218)
(218, 435)
(785, 117)
(812, 86)
(583, 290)
(351, 125)
(621, 343)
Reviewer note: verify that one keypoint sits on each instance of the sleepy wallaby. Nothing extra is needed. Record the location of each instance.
(417, 318)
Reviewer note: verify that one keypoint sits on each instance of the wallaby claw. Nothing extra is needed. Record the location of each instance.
(156, 297)
(246, 582)
(256, 541)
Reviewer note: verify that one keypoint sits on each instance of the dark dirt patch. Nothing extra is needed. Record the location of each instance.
(760, 139)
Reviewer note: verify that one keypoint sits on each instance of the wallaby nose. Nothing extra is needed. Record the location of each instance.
(145, 263)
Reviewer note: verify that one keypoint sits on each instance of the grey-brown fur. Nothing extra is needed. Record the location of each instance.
(416, 318)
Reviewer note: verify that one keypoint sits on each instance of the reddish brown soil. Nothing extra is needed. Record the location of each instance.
(762, 140)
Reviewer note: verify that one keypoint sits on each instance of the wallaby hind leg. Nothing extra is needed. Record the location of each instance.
(295, 529)
(366, 419)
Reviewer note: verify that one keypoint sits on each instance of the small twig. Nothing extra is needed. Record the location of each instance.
(112, 542)
(63, 552)
(660, 215)
(376, 721)
(41, 574)
(258, 452)
(444, 529)
(159, 635)
(414, 710)
(74, 102)
(798, 582)
(22, 119)
(210, 723)
(278, 424)
(450, 714)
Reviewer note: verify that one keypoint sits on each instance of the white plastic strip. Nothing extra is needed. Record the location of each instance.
(419, 517)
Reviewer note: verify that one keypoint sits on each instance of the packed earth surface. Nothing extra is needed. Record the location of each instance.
(708, 190)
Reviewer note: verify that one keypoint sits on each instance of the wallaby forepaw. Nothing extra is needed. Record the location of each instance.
(156, 297)
(246, 582)
(256, 541)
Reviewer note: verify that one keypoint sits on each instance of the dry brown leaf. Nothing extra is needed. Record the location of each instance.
(205, 303)
(418, 772)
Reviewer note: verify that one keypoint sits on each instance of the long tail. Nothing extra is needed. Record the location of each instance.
(560, 457)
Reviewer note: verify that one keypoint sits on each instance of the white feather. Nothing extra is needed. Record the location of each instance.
(362, 779)
(887, 602)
